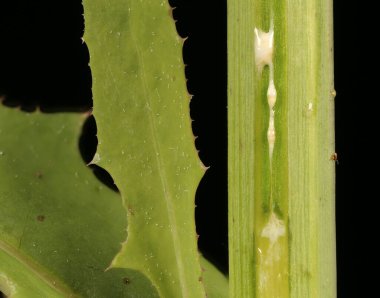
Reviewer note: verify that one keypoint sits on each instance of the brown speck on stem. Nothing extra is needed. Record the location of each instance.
(334, 157)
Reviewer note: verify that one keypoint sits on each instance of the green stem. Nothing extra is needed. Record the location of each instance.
(281, 211)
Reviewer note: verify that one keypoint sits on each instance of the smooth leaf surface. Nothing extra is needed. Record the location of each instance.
(141, 106)
(59, 226)
(216, 283)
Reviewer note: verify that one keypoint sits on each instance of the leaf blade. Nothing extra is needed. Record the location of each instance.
(58, 224)
(143, 121)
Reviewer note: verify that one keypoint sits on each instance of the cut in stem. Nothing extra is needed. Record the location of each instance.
(281, 139)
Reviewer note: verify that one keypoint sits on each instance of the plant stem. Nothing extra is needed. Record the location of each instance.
(281, 207)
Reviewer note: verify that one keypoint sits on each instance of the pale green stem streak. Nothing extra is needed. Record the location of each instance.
(298, 192)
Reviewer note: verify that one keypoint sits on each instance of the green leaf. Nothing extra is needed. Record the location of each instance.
(216, 283)
(141, 107)
(59, 226)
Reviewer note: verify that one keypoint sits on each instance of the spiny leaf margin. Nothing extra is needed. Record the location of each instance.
(141, 106)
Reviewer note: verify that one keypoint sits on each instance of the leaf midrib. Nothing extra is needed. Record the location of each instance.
(162, 174)
(36, 269)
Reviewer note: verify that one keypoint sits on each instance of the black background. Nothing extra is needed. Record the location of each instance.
(43, 63)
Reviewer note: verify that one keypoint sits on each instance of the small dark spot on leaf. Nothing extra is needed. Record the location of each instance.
(41, 218)
(126, 280)
(39, 175)
(200, 279)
